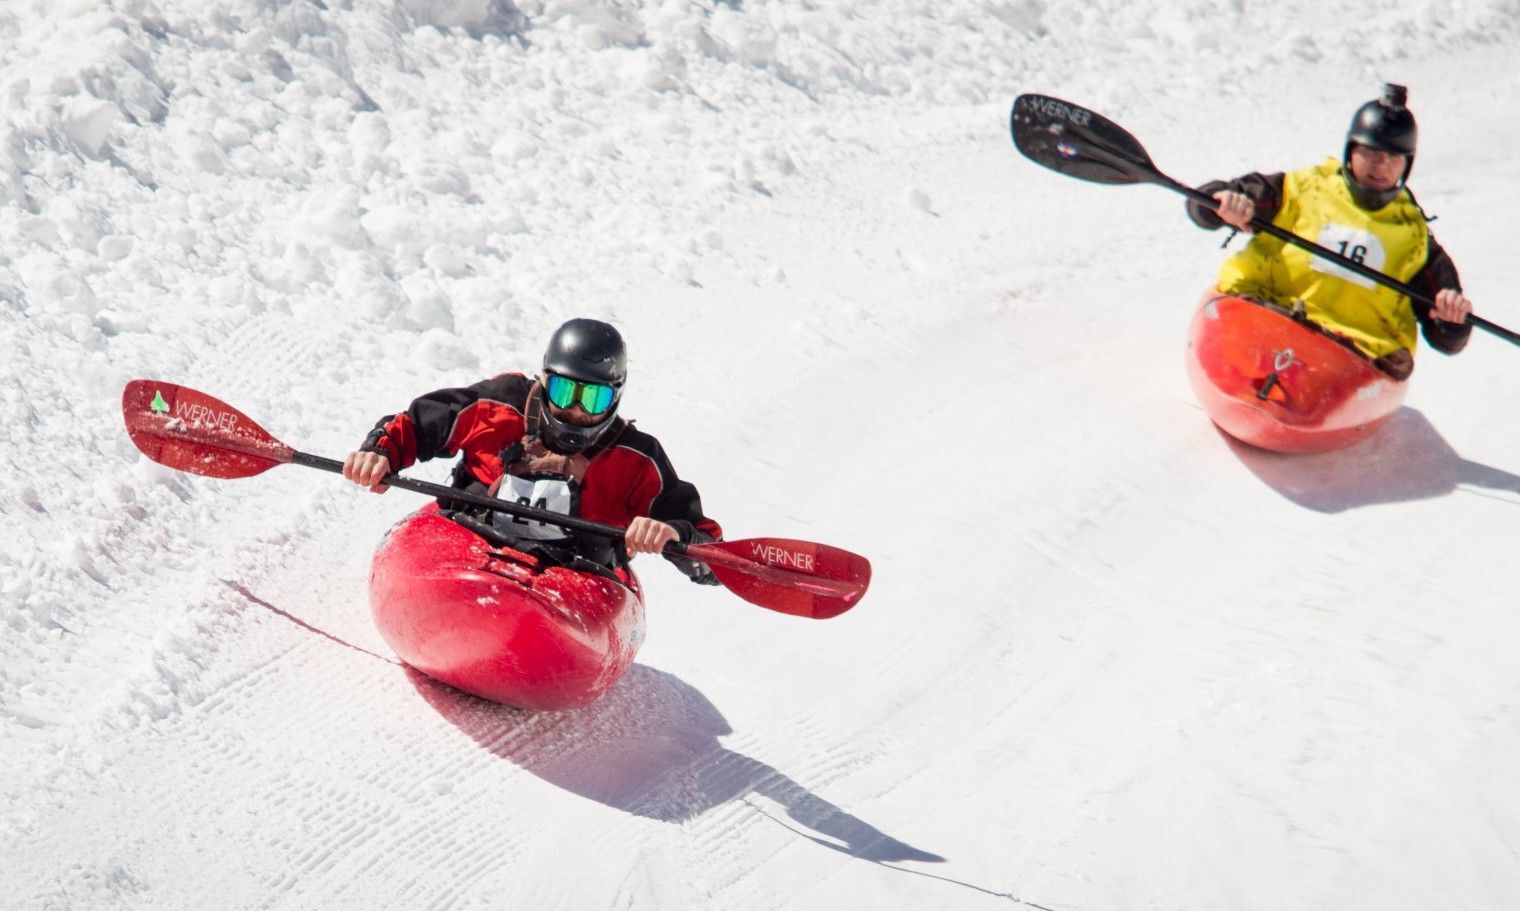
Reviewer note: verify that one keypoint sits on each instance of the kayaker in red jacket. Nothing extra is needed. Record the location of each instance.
(553, 441)
(1359, 207)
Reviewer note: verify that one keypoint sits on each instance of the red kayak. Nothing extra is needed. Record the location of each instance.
(497, 622)
(1281, 383)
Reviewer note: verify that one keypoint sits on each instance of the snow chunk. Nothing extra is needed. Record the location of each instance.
(428, 306)
(753, 42)
(445, 180)
(300, 266)
(446, 14)
(369, 132)
(447, 260)
(445, 351)
(918, 199)
(230, 134)
(76, 552)
(513, 148)
(664, 70)
(337, 218)
(38, 228)
(113, 247)
(87, 122)
(32, 499)
(51, 283)
(393, 228)
(197, 148)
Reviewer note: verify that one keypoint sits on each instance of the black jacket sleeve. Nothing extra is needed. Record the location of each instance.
(1440, 272)
(1265, 189)
(680, 506)
(421, 431)
(425, 430)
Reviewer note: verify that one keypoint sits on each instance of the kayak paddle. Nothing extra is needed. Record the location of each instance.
(1072, 140)
(194, 432)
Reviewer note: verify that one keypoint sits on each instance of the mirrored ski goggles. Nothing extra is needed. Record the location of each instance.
(563, 392)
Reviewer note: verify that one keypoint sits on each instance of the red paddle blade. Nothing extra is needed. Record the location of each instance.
(794, 577)
(194, 432)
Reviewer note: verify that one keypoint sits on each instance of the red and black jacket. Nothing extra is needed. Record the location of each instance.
(628, 474)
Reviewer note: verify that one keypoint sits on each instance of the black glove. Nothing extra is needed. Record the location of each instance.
(697, 572)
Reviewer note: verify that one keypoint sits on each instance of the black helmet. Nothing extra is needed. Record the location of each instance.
(591, 351)
(1386, 125)
(588, 350)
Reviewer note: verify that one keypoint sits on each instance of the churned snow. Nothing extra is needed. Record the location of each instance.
(1109, 660)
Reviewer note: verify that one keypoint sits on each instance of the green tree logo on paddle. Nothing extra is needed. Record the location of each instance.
(158, 404)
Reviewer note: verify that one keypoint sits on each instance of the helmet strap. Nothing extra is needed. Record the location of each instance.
(534, 417)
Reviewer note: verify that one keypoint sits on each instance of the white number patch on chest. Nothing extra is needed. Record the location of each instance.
(1354, 244)
(553, 494)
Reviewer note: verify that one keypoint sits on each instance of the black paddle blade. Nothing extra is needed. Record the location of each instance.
(1074, 141)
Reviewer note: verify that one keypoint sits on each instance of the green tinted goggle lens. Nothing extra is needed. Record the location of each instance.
(595, 398)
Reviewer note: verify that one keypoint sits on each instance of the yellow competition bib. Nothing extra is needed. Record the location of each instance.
(1393, 240)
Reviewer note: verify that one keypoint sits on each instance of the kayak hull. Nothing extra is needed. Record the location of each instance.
(495, 623)
(1280, 384)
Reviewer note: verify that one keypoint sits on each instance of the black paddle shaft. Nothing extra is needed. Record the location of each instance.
(521, 510)
(1080, 143)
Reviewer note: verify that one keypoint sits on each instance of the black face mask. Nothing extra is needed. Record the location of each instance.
(1371, 200)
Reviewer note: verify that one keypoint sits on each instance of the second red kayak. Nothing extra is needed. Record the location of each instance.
(1282, 384)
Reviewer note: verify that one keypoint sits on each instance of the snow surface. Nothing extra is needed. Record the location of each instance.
(1109, 660)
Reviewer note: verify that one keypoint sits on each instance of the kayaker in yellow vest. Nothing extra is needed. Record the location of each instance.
(1361, 208)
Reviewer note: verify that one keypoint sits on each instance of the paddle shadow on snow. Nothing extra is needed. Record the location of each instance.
(1406, 460)
(650, 747)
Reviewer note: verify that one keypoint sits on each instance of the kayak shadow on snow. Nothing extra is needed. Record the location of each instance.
(650, 747)
(1407, 460)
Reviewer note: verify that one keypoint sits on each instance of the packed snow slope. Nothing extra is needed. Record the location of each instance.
(1109, 660)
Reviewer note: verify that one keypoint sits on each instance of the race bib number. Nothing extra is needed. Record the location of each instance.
(553, 494)
(1354, 244)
